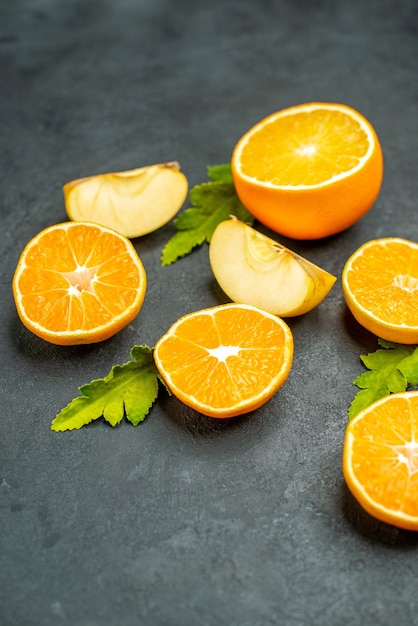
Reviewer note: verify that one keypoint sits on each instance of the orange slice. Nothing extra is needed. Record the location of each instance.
(380, 459)
(309, 171)
(380, 286)
(134, 203)
(78, 283)
(226, 360)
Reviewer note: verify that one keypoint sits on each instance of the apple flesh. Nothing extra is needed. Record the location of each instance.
(253, 269)
(134, 203)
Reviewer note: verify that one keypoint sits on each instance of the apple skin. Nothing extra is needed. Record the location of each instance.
(134, 202)
(253, 269)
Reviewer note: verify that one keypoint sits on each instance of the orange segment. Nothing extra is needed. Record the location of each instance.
(380, 459)
(78, 283)
(309, 171)
(380, 286)
(226, 360)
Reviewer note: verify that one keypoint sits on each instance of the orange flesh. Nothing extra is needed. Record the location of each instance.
(385, 455)
(385, 282)
(305, 148)
(222, 360)
(77, 279)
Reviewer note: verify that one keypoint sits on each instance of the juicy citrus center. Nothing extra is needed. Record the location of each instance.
(406, 282)
(408, 455)
(222, 353)
(305, 149)
(81, 279)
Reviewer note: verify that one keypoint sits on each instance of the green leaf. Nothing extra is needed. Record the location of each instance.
(363, 399)
(128, 390)
(409, 368)
(212, 203)
(220, 173)
(393, 368)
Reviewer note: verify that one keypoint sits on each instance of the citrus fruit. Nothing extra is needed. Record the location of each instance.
(380, 459)
(77, 283)
(254, 269)
(309, 171)
(380, 286)
(134, 203)
(225, 360)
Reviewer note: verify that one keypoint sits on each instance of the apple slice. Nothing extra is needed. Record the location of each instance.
(133, 203)
(254, 269)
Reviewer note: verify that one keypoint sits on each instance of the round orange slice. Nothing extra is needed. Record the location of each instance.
(309, 171)
(78, 282)
(380, 459)
(225, 360)
(380, 286)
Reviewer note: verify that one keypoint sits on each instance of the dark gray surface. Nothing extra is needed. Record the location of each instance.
(187, 520)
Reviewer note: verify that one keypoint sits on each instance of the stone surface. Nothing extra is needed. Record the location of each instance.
(186, 520)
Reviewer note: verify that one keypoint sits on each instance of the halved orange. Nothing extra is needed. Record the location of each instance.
(309, 171)
(380, 459)
(225, 360)
(380, 286)
(78, 282)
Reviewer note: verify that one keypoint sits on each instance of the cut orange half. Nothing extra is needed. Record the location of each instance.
(309, 171)
(226, 360)
(380, 286)
(78, 283)
(380, 459)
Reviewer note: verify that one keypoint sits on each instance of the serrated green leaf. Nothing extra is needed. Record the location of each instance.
(409, 368)
(367, 380)
(385, 359)
(392, 369)
(221, 173)
(128, 390)
(180, 245)
(363, 399)
(213, 202)
(396, 382)
(387, 344)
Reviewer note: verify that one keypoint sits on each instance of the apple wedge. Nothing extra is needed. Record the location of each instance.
(254, 269)
(134, 203)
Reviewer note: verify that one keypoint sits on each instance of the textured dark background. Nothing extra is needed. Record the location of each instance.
(186, 520)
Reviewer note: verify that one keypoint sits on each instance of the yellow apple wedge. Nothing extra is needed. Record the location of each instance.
(253, 269)
(134, 203)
